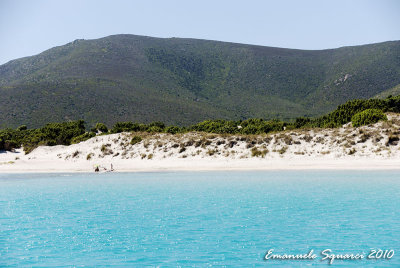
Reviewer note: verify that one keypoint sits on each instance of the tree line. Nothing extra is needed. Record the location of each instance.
(360, 112)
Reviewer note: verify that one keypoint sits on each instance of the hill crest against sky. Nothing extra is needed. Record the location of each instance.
(183, 81)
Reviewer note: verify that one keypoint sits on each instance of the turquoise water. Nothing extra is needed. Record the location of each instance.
(197, 218)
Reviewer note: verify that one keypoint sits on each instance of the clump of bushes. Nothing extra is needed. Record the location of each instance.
(392, 140)
(154, 127)
(247, 127)
(211, 152)
(344, 113)
(368, 116)
(100, 127)
(232, 143)
(216, 126)
(136, 139)
(288, 140)
(85, 136)
(105, 149)
(21, 128)
(127, 127)
(51, 134)
(173, 129)
(283, 150)
(258, 153)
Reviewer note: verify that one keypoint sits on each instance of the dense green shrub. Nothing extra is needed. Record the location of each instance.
(135, 127)
(260, 126)
(21, 128)
(62, 133)
(301, 121)
(344, 113)
(100, 127)
(9, 145)
(85, 136)
(136, 139)
(123, 127)
(366, 117)
(250, 126)
(216, 126)
(154, 129)
(158, 124)
(11, 139)
(173, 129)
(128, 126)
(53, 134)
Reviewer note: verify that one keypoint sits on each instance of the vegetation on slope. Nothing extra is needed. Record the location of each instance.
(361, 112)
(183, 81)
(50, 135)
(366, 117)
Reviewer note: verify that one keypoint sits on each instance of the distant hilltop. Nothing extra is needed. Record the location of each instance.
(183, 81)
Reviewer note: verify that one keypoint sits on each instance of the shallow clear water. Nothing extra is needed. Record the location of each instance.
(197, 218)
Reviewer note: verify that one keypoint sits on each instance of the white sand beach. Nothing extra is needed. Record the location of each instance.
(365, 148)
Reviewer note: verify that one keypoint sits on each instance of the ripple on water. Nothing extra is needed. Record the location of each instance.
(196, 218)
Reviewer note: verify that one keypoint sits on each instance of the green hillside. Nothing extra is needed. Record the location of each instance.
(392, 91)
(184, 81)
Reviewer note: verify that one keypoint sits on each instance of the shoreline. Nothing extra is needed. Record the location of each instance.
(373, 147)
(200, 165)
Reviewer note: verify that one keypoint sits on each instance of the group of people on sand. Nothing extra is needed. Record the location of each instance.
(98, 167)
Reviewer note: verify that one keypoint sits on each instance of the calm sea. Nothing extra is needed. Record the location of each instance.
(199, 218)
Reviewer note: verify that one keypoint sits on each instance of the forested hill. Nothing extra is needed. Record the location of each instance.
(184, 81)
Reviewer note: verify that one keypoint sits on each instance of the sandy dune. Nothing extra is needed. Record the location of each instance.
(369, 147)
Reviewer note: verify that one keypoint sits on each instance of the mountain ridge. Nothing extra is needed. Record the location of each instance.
(186, 80)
